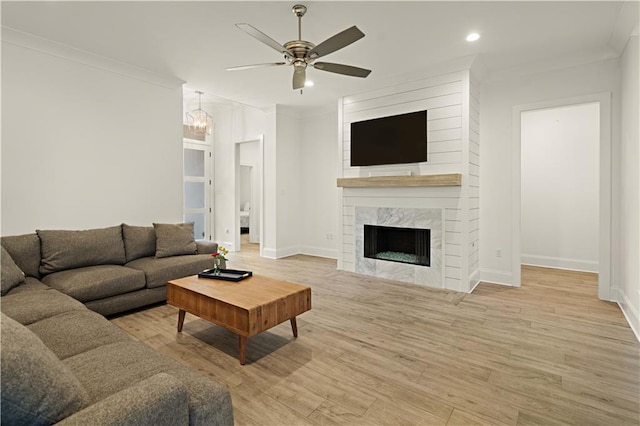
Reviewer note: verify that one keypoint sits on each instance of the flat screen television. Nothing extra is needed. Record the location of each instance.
(397, 139)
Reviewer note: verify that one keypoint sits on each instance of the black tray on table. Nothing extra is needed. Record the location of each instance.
(225, 274)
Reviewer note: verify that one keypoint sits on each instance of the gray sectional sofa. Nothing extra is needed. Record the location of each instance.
(64, 363)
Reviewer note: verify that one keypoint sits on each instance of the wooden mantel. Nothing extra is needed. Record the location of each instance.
(452, 179)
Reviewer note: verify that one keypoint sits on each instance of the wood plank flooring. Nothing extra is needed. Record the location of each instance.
(378, 352)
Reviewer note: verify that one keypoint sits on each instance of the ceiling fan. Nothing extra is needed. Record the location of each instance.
(301, 53)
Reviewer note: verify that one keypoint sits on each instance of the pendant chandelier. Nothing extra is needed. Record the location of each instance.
(199, 120)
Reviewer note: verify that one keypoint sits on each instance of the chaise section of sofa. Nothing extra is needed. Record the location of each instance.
(78, 367)
(63, 363)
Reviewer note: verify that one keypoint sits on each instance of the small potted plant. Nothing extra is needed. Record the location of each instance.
(218, 257)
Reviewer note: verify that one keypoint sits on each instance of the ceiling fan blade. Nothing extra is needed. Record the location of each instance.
(342, 69)
(248, 67)
(299, 77)
(338, 41)
(259, 35)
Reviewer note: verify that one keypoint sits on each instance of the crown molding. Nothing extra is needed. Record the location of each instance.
(59, 50)
(626, 25)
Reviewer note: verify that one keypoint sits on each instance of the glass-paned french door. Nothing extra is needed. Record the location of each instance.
(197, 184)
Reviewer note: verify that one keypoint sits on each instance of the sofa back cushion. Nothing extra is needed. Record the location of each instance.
(61, 250)
(174, 239)
(139, 241)
(11, 273)
(25, 251)
(37, 388)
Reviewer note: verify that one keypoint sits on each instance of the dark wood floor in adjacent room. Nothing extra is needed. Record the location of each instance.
(379, 352)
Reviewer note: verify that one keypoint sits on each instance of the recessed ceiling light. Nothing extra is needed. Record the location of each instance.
(473, 37)
(308, 83)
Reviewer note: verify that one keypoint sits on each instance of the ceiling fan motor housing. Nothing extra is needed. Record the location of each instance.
(299, 48)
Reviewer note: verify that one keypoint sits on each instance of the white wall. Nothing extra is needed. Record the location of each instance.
(319, 197)
(288, 181)
(85, 145)
(559, 183)
(245, 185)
(497, 139)
(627, 274)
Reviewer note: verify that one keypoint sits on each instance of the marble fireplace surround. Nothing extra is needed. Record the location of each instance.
(432, 219)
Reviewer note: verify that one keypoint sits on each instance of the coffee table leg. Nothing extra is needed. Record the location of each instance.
(294, 327)
(243, 350)
(180, 319)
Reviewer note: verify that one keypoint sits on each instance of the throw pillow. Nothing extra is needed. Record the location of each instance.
(25, 251)
(174, 239)
(63, 250)
(139, 241)
(37, 388)
(12, 275)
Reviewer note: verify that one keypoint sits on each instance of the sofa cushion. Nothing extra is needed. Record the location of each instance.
(139, 241)
(74, 332)
(29, 284)
(96, 282)
(37, 388)
(209, 402)
(174, 239)
(206, 247)
(160, 400)
(25, 251)
(128, 301)
(11, 275)
(29, 303)
(62, 250)
(159, 271)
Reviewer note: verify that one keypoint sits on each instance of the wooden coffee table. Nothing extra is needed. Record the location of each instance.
(247, 307)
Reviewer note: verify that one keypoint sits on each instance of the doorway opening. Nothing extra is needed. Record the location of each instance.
(548, 174)
(559, 222)
(249, 200)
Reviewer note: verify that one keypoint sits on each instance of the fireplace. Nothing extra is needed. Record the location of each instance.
(395, 244)
(408, 222)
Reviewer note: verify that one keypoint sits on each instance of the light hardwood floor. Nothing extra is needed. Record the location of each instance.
(378, 352)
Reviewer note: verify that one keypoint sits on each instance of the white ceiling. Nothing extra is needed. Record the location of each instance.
(195, 41)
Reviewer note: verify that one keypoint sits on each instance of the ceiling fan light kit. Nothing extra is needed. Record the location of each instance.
(301, 53)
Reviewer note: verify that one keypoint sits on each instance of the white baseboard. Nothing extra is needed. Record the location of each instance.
(269, 253)
(560, 263)
(319, 252)
(630, 313)
(292, 251)
(287, 251)
(494, 276)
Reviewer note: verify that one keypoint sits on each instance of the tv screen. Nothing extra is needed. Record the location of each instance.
(397, 139)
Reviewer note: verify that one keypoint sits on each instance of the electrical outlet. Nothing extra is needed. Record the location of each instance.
(329, 236)
(499, 252)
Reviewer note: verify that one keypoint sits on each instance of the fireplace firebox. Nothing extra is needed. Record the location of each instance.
(404, 245)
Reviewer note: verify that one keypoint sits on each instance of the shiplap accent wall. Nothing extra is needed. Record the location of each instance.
(473, 182)
(448, 102)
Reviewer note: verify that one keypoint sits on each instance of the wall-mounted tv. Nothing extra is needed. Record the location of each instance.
(397, 139)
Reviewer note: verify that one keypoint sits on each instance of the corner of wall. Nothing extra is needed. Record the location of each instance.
(631, 315)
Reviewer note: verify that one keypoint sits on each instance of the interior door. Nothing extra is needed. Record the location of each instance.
(197, 184)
